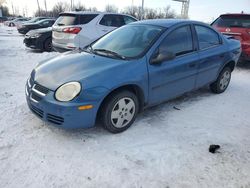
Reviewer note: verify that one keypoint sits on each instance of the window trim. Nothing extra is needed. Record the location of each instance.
(110, 15)
(193, 41)
(197, 38)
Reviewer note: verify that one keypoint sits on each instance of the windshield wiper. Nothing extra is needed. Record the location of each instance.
(109, 52)
(87, 49)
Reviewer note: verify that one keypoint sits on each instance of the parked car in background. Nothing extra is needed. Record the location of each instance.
(40, 24)
(40, 39)
(237, 26)
(15, 21)
(33, 20)
(147, 62)
(78, 29)
(3, 19)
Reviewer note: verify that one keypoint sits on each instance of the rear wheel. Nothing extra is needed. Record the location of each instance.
(221, 84)
(119, 111)
(48, 45)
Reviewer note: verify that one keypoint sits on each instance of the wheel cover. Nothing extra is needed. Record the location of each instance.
(225, 79)
(123, 112)
(50, 45)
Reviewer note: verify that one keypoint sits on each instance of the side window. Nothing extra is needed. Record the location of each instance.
(112, 20)
(207, 37)
(179, 41)
(86, 18)
(128, 19)
(46, 23)
(51, 22)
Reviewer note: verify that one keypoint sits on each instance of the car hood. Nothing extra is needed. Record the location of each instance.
(31, 25)
(43, 30)
(73, 66)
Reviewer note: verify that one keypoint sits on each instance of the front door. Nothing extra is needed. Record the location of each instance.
(177, 76)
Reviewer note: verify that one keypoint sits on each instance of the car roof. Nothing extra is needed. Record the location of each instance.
(46, 19)
(165, 22)
(235, 14)
(91, 12)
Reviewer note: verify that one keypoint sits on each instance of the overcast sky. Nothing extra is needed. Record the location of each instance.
(199, 9)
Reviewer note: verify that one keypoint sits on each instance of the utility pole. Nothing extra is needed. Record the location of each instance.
(71, 5)
(38, 8)
(142, 10)
(184, 8)
(13, 10)
(133, 7)
(45, 4)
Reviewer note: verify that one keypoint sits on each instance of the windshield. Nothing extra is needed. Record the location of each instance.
(233, 21)
(128, 41)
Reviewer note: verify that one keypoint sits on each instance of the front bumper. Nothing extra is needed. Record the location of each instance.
(61, 114)
(33, 43)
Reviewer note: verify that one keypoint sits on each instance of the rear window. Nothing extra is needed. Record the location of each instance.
(66, 20)
(233, 21)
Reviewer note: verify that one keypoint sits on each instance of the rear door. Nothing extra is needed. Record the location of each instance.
(108, 23)
(212, 54)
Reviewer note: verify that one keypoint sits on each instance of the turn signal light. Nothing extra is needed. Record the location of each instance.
(86, 107)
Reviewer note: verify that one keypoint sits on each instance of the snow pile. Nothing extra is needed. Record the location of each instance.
(164, 148)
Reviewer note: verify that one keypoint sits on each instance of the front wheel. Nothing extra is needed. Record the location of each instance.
(48, 45)
(221, 84)
(119, 111)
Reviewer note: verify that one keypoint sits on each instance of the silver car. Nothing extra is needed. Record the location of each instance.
(78, 29)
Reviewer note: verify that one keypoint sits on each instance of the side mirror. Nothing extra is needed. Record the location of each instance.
(161, 57)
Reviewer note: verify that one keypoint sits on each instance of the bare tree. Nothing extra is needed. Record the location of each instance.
(150, 13)
(111, 8)
(168, 12)
(38, 7)
(60, 7)
(79, 7)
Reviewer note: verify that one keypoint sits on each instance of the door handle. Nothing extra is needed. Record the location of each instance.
(104, 30)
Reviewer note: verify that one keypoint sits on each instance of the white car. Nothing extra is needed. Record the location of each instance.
(78, 29)
(15, 21)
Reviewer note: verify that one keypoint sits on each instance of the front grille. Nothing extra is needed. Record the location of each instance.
(41, 89)
(35, 97)
(37, 111)
(55, 119)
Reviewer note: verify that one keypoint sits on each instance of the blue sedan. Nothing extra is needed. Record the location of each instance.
(134, 67)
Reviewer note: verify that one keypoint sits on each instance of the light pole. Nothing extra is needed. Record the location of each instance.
(142, 9)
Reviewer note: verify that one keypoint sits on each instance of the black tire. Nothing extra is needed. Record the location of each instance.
(219, 86)
(112, 106)
(48, 45)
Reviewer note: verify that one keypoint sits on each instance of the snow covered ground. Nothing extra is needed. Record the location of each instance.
(165, 148)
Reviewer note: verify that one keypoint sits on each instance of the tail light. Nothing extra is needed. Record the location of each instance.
(72, 30)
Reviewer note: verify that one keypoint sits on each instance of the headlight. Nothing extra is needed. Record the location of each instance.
(35, 36)
(68, 91)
